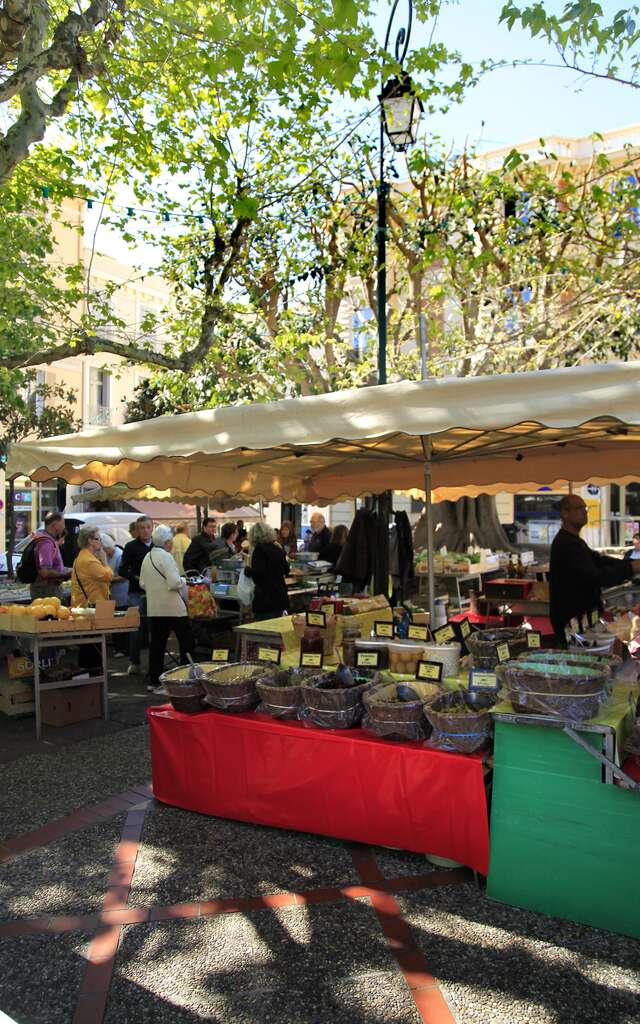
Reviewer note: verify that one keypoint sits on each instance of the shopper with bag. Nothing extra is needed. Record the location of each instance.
(166, 605)
(267, 569)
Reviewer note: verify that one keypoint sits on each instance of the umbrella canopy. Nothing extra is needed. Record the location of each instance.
(120, 492)
(483, 434)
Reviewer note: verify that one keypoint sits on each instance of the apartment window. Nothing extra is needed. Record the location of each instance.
(99, 396)
(35, 396)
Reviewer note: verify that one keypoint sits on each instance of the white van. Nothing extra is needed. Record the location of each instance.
(116, 524)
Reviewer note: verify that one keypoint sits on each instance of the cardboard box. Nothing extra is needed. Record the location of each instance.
(106, 618)
(16, 698)
(71, 704)
(19, 666)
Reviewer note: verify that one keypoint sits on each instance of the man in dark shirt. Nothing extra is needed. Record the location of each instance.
(320, 533)
(198, 555)
(576, 573)
(133, 555)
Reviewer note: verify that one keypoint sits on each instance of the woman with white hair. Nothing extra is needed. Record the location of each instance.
(91, 576)
(268, 569)
(166, 607)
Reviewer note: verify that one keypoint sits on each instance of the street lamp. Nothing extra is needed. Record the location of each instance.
(400, 111)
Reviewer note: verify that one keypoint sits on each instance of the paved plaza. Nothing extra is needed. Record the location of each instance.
(116, 908)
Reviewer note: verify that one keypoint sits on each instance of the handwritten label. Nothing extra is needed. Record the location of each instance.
(418, 633)
(534, 639)
(271, 654)
(479, 680)
(220, 655)
(383, 630)
(465, 628)
(317, 619)
(367, 659)
(431, 670)
(503, 652)
(311, 659)
(594, 618)
(444, 634)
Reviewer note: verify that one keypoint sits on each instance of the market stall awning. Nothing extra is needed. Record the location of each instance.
(487, 434)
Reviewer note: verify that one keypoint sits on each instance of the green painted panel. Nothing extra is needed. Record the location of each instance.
(562, 842)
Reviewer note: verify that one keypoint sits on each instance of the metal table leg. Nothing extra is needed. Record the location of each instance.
(105, 678)
(36, 684)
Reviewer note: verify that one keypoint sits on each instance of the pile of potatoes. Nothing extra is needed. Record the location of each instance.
(41, 608)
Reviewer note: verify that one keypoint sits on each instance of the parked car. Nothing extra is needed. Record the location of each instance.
(114, 523)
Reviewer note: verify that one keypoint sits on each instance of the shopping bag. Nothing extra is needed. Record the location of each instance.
(201, 604)
(246, 589)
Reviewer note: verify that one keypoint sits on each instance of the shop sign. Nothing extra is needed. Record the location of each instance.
(270, 654)
(367, 659)
(445, 634)
(383, 630)
(431, 670)
(479, 680)
(311, 659)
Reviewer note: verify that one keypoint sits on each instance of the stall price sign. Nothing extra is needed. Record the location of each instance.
(503, 652)
(479, 680)
(317, 619)
(383, 630)
(431, 670)
(270, 654)
(220, 655)
(367, 659)
(418, 633)
(465, 628)
(445, 634)
(311, 659)
(594, 617)
(534, 639)
(329, 605)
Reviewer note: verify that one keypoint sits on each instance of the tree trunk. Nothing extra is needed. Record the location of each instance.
(457, 524)
(11, 524)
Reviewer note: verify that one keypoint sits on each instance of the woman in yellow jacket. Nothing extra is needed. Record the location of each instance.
(91, 575)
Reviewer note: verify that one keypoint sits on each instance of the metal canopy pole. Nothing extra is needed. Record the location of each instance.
(428, 507)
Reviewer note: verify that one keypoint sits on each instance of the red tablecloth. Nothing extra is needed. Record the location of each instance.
(344, 784)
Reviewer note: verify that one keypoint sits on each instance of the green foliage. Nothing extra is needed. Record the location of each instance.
(587, 40)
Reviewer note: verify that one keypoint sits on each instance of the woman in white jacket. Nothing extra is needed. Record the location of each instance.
(166, 607)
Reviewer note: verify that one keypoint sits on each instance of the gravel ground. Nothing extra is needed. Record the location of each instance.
(67, 877)
(41, 787)
(502, 965)
(40, 976)
(188, 856)
(395, 863)
(306, 964)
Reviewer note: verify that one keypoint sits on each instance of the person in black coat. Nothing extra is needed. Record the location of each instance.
(133, 555)
(320, 533)
(199, 554)
(268, 569)
(333, 550)
(576, 573)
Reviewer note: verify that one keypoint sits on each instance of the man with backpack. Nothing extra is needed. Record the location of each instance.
(41, 565)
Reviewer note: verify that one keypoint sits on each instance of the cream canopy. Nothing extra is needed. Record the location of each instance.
(481, 434)
(120, 492)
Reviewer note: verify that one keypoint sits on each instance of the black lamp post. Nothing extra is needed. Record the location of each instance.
(400, 111)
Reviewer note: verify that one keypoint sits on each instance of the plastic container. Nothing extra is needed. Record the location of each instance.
(404, 656)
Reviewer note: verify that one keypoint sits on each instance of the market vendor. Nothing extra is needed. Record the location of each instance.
(320, 533)
(199, 554)
(576, 573)
(50, 568)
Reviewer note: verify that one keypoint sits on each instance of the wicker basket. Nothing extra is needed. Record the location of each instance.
(572, 692)
(332, 708)
(588, 659)
(328, 634)
(483, 645)
(632, 743)
(394, 716)
(185, 693)
(233, 687)
(461, 722)
(280, 691)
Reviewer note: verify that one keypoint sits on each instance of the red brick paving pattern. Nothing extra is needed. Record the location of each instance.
(107, 924)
